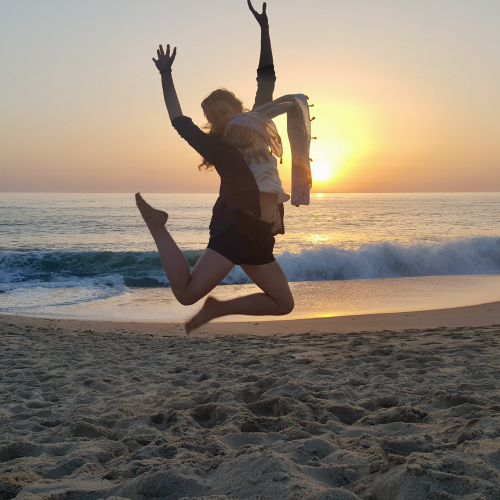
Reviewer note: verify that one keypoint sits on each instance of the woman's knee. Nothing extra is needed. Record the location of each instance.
(287, 305)
(187, 298)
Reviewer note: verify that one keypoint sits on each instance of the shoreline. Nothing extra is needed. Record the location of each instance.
(313, 299)
(469, 316)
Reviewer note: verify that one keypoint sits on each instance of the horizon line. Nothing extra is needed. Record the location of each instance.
(215, 192)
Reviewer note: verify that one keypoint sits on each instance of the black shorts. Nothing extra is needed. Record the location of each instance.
(247, 241)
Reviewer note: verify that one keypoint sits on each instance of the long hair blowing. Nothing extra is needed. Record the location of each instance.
(218, 95)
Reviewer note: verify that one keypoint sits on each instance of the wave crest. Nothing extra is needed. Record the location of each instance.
(479, 255)
(388, 260)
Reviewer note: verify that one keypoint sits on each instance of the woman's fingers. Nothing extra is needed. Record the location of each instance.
(161, 53)
(259, 17)
(254, 12)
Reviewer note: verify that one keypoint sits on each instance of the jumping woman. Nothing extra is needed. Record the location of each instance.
(249, 211)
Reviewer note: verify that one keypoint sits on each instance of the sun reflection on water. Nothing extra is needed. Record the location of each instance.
(318, 239)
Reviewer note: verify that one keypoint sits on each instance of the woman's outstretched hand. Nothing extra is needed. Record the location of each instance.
(165, 60)
(261, 18)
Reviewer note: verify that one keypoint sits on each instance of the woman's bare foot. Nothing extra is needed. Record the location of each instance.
(153, 218)
(204, 315)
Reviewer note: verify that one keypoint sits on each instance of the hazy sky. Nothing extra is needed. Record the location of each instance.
(406, 93)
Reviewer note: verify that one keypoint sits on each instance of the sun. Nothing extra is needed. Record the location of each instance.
(321, 171)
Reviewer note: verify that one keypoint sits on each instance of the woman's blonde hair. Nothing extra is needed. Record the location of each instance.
(218, 95)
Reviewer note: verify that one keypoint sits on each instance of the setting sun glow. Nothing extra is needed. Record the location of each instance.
(321, 171)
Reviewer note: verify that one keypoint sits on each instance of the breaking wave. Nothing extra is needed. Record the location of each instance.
(479, 255)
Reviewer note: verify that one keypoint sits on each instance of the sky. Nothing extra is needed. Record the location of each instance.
(406, 93)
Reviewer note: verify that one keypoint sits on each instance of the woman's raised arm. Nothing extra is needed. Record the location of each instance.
(265, 73)
(266, 54)
(164, 65)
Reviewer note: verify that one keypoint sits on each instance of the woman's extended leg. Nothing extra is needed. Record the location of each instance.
(188, 287)
(275, 301)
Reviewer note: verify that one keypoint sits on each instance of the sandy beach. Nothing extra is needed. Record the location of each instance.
(376, 407)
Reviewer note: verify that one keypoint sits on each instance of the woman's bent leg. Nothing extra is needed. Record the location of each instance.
(187, 287)
(275, 300)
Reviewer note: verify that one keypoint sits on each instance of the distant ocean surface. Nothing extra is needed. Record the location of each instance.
(59, 250)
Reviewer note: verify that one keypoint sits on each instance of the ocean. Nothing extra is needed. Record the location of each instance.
(91, 255)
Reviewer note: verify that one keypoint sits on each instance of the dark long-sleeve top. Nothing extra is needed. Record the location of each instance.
(238, 189)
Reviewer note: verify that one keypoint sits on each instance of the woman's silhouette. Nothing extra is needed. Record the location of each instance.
(248, 212)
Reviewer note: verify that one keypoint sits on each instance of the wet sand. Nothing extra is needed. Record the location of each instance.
(376, 407)
(313, 299)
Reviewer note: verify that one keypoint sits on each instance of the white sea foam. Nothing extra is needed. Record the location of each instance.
(27, 299)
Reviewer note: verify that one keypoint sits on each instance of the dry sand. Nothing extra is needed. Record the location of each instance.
(407, 410)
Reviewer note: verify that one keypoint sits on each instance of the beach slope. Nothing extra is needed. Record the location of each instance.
(117, 411)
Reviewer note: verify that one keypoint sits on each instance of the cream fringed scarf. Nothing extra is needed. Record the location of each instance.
(255, 135)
